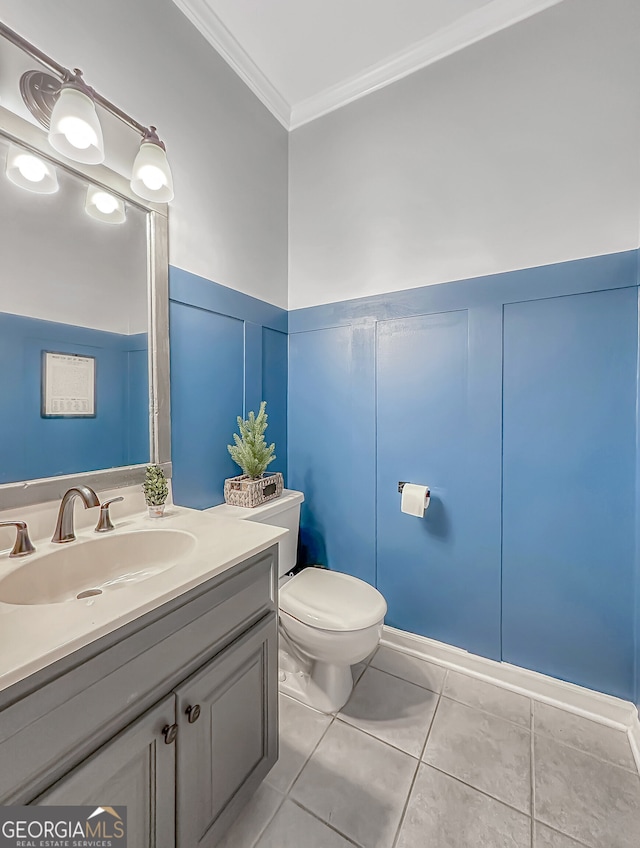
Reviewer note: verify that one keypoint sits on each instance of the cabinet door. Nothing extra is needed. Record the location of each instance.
(135, 769)
(227, 751)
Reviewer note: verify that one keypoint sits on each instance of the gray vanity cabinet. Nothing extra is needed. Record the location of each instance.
(136, 770)
(228, 734)
(89, 730)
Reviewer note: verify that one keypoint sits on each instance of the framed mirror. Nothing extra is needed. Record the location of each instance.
(84, 380)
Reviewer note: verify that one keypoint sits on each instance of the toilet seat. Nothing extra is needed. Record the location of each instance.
(330, 600)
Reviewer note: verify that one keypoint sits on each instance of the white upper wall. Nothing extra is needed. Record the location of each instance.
(228, 154)
(521, 150)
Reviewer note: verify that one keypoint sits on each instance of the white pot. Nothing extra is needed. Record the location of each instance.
(156, 510)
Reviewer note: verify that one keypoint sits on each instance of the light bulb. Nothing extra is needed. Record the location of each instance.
(30, 172)
(105, 202)
(104, 206)
(77, 132)
(152, 177)
(31, 168)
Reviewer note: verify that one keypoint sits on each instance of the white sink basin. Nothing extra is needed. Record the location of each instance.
(88, 568)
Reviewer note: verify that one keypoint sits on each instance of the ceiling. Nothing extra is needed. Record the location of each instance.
(304, 58)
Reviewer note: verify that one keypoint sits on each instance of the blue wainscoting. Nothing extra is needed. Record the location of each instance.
(43, 447)
(228, 352)
(570, 367)
(332, 458)
(537, 568)
(437, 580)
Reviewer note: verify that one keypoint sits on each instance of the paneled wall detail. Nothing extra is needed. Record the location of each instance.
(527, 553)
(437, 580)
(570, 367)
(228, 352)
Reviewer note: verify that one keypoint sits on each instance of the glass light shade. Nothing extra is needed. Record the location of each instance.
(75, 130)
(151, 178)
(104, 206)
(28, 171)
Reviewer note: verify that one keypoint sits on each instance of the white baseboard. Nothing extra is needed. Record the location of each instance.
(596, 706)
(634, 739)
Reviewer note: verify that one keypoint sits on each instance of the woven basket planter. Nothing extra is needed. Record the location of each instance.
(243, 491)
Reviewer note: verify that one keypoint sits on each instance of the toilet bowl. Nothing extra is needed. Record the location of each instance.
(333, 621)
(329, 621)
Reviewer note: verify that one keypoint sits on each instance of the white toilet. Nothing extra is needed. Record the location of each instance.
(329, 620)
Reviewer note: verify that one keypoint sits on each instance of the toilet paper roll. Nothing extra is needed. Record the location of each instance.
(414, 499)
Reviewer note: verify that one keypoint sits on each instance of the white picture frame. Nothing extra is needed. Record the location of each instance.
(68, 385)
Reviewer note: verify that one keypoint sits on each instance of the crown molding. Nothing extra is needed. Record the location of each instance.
(485, 21)
(220, 38)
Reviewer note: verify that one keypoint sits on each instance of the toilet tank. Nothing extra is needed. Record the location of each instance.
(280, 512)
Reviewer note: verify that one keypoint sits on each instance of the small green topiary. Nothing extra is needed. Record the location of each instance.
(251, 452)
(155, 486)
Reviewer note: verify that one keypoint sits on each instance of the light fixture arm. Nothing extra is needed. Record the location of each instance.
(67, 76)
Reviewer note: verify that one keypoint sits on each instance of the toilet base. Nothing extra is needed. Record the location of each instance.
(324, 686)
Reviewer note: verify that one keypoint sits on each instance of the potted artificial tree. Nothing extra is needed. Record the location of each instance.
(253, 455)
(155, 490)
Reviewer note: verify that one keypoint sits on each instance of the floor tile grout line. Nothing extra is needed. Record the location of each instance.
(444, 679)
(335, 717)
(405, 805)
(433, 719)
(418, 764)
(315, 748)
(283, 798)
(562, 833)
(487, 712)
(476, 789)
(406, 680)
(582, 751)
(531, 699)
(377, 738)
(332, 827)
(301, 704)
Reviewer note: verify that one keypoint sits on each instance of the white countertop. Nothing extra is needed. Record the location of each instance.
(34, 636)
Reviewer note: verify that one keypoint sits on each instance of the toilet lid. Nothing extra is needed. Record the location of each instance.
(330, 600)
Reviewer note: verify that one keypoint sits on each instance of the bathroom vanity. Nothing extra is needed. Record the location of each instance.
(137, 667)
(159, 694)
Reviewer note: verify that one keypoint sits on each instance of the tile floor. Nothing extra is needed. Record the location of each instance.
(422, 757)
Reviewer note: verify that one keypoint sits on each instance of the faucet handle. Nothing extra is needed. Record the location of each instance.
(23, 545)
(104, 522)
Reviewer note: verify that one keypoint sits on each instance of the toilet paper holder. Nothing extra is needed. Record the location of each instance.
(402, 484)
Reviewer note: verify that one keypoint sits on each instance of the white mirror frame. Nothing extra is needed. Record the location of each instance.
(28, 492)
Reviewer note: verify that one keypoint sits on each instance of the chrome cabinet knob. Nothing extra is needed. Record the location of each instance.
(193, 713)
(170, 731)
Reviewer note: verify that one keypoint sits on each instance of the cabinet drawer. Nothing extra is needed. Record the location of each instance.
(46, 733)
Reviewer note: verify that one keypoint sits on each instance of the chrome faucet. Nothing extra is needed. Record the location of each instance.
(23, 544)
(64, 526)
(104, 522)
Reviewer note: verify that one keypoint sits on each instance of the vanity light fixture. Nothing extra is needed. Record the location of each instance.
(104, 206)
(151, 177)
(66, 106)
(28, 171)
(74, 129)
